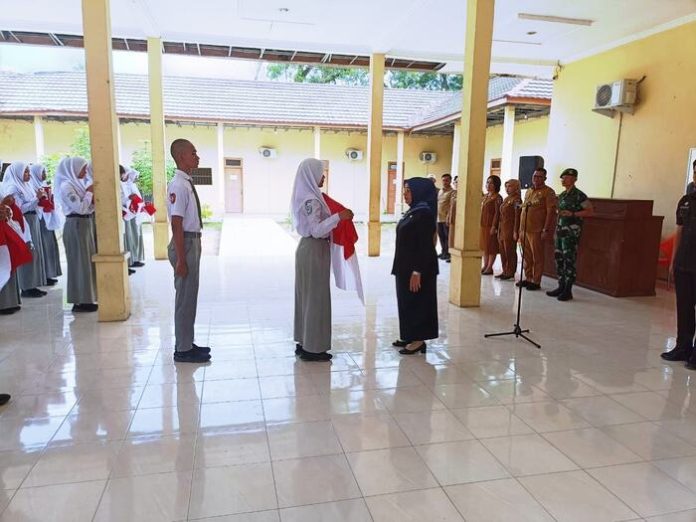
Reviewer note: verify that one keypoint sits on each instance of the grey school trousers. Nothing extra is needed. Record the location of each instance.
(186, 288)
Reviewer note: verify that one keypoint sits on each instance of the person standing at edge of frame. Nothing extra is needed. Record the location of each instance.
(184, 209)
(573, 206)
(444, 203)
(683, 272)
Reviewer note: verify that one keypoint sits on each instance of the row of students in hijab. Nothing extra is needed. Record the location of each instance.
(31, 202)
(133, 210)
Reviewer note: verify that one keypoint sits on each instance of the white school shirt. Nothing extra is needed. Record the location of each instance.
(182, 202)
(23, 202)
(315, 221)
(72, 203)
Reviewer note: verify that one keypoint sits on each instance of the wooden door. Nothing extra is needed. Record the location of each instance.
(234, 186)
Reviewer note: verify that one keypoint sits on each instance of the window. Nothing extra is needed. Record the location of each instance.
(495, 167)
(202, 176)
(233, 163)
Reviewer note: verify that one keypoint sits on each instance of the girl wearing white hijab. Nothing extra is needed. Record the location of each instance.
(313, 221)
(10, 301)
(16, 184)
(48, 237)
(76, 201)
(134, 231)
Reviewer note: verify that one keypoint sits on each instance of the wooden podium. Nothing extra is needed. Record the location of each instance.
(618, 249)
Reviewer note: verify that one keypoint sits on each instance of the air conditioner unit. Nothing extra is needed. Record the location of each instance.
(354, 154)
(620, 95)
(268, 152)
(428, 157)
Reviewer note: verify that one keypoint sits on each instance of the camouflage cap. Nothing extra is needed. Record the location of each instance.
(569, 172)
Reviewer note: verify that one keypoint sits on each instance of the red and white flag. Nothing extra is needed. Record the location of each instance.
(344, 260)
(14, 252)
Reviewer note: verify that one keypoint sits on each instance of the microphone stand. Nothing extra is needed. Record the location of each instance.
(517, 330)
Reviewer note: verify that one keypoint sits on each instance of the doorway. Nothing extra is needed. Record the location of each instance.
(392, 189)
(234, 186)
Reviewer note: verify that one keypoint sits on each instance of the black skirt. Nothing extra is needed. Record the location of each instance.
(417, 310)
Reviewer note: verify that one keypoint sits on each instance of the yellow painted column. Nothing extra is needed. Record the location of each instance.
(456, 145)
(399, 181)
(506, 166)
(111, 261)
(465, 273)
(374, 152)
(159, 174)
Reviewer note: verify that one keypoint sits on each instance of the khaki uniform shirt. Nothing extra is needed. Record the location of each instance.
(537, 204)
(444, 202)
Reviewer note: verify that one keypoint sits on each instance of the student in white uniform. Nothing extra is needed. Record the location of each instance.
(184, 209)
(138, 251)
(313, 221)
(127, 216)
(48, 235)
(77, 202)
(16, 183)
(10, 301)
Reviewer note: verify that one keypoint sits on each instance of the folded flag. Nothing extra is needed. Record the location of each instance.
(149, 208)
(135, 202)
(14, 252)
(344, 261)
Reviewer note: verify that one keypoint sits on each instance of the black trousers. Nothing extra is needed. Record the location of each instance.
(685, 288)
(443, 234)
(418, 319)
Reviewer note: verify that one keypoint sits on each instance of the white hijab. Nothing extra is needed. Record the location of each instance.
(13, 182)
(36, 179)
(66, 173)
(306, 187)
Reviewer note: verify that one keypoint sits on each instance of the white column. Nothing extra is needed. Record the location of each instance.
(317, 142)
(456, 143)
(506, 167)
(221, 165)
(398, 204)
(121, 159)
(39, 138)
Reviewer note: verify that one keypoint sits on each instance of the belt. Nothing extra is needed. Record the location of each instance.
(30, 213)
(84, 216)
(192, 234)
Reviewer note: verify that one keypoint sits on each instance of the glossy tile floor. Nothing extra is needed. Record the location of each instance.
(103, 426)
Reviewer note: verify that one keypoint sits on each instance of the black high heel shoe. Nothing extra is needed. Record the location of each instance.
(400, 344)
(420, 349)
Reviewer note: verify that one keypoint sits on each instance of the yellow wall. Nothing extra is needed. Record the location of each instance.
(16, 141)
(653, 143)
(529, 140)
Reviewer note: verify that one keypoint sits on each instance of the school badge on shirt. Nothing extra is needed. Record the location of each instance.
(172, 198)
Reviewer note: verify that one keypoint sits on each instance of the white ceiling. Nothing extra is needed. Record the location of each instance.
(418, 29)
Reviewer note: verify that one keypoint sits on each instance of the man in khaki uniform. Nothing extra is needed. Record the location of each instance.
(444, 202)
(536, 222)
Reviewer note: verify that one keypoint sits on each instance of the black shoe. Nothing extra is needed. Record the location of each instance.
(677, 354)
(10, 311)
(690, 364)
(298, 349)
(131, 271)
(85, 307)
(522, 284)
(400, 344)
(51, 282)
(567, 293)
(4, 398)
(33, 292)
(441, 256)
(448, 260)
(421, 349)
(558, 291)
(138, 264)
(504, 277)
(532, 286)
(191, 356)
(202, 349)
(316, 357)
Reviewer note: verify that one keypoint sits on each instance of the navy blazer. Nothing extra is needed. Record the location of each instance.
(415, 245)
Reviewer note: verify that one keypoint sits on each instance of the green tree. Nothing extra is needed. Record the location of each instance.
(80, 145)
(398, 79)
(142, 162)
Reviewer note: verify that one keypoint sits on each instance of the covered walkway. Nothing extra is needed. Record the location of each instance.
(103, 425)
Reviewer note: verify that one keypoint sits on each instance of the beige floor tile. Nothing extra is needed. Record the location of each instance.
(306, 408)
(602, 411)
(142, 456)
(390, 471)
(549, 416)
(683, 516)
(590, 448)
(74, 502)
(413, 506)
(162, 497)
(494, 421)
(681, 469)
(307, 439)
(170, 395)
(410, 399)
(645, 489)
(528, 455)
(345, 511)
(15, 466)
(368, 432)
(95, 425)
(286, 386)
(225, 417)
(164, 422)
(231, 390)
(651, 405)
(432, 427)
(576, 497)
(232, 490)
(465, 395)
(345, 402)
(565, 387)
(496, 501)
(312, 480)
(73, 463)
(259, 516)
(515, 391)
(461, 462)
(248, 445)
(650, 441)
(16, 433)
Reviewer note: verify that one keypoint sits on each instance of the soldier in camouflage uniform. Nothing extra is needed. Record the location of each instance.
(573, 206)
